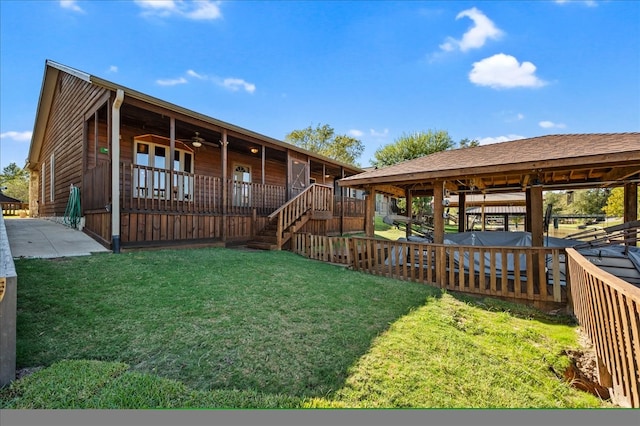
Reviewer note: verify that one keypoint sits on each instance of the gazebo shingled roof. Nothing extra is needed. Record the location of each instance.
(563, 160)
(531, 165)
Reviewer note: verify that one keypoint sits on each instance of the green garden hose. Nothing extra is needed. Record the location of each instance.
(73, 213)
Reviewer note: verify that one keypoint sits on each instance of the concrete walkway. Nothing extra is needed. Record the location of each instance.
(39, 238)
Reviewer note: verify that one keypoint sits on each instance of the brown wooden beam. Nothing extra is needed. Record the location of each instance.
(370, 213)
(630, 202)
(462, 206)
(224, 221)
(536, 213)
(438, 212)
(409, 199)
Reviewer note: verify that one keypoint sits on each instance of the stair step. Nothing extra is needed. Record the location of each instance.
(262, 245)
(272, 239)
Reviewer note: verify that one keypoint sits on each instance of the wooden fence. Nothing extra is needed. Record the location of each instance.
(526, 274)
(608, 310)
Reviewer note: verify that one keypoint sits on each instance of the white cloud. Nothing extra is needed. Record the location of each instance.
(356, 133)
(483, 29)
(504, 72)
(192, 73)
(382, 134)
(17, 136)
(496, 139)
(192, 9)
(235, 84)
(589, 3)
(71, 5)
(171, 81)
(551, 125)
(112, 69)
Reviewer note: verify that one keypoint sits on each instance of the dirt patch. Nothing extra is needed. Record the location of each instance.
(23, 372)
(582, 373)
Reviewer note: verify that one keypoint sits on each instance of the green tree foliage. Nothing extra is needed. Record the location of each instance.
(323, 140)
(589, 201)
(468, 143)
(16, 180)
(615, 202)
(557, 199)
(412, 145)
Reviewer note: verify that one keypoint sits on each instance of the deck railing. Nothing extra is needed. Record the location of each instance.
(523, 273)
(153, 189)
(608, 310)
(315, 198)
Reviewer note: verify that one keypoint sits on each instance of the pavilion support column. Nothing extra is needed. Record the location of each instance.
(631, 206)
(462, 200)
(527, 218)
(409, 197)
(438, 212)
(535, 214)
(223, 223)
(370, 212)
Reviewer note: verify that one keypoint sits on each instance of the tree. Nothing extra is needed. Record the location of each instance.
(615, 202)
(16, 180)
(468, 143)
(590, 201)
(324, 141)
(412, 145)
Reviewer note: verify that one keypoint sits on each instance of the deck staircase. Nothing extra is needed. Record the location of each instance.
(315, 202)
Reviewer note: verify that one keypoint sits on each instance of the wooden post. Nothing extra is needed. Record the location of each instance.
(462, 200)
(536, 213)
(438, 213)
(409, 197)
(630, 208)
(370, 212)
(224, 221)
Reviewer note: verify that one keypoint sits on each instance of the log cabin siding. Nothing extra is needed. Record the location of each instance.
(64, 140)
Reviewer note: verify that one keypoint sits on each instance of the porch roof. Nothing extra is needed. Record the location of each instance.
(553, 161)
(52, 70)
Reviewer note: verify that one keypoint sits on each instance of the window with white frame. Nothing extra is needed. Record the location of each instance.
(43, 182)
(151, 177)
(52, 187)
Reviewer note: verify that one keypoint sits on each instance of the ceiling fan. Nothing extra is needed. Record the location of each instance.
(196, 141)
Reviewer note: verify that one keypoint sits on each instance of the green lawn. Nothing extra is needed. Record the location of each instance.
(240, 329)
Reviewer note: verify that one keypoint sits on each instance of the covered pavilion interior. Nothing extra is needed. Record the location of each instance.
(529, 166)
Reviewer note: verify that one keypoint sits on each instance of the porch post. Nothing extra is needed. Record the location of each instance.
(462, 200)
(223, 223)
(438, 212)
(409, 198)
(342, 203)
(535, 213)
(630, 206)
(370, 212)
(115, 171)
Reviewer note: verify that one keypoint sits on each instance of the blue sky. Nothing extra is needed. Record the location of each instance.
(490, 71)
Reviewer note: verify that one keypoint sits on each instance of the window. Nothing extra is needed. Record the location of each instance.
(152, 178)
(242, 186)
(43, 175)
(52, 189)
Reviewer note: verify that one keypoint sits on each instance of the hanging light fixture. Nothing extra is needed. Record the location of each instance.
(196, 141)
(254, 150)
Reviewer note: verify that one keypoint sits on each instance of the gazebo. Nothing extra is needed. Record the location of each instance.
(530, 166)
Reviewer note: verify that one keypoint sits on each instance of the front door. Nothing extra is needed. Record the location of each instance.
(241, 186)
(299, 177)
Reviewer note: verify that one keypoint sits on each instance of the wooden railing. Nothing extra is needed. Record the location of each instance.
(348, 206)
(522, 273)
(315, 198)
(608, 310)
(159, 190)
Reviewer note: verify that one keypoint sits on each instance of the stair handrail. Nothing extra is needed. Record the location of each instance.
(285, 214)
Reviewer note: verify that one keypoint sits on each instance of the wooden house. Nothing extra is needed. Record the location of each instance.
(152, 173)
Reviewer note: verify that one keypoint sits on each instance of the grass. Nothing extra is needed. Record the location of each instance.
(235, 329)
